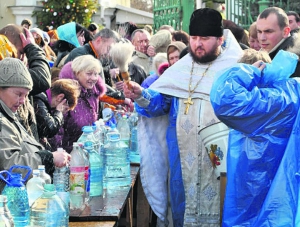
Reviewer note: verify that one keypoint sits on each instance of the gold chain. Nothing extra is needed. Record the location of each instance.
(189, 102)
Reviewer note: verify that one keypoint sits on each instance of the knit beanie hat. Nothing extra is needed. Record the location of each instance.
(206, 22)
(13, 73)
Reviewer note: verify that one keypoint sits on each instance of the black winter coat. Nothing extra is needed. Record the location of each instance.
(39, 68)
(288, 43)
(49, 121)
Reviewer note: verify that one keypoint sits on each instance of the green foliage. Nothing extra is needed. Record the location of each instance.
(57, 12)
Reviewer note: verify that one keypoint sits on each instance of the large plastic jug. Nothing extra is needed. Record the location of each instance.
(17, 197)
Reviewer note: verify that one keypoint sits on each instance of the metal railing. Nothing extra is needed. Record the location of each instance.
(245, 12)
(167, 12)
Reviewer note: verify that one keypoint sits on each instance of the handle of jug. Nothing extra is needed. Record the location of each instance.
(5, 175)
(22, 167)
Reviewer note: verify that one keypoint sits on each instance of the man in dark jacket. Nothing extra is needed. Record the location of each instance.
(28, 51)
(273, 33)
(38, 67)
(99, 47)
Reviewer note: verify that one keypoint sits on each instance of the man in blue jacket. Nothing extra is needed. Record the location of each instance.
(261, 105)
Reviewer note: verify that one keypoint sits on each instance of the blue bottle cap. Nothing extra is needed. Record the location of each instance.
(87, 129)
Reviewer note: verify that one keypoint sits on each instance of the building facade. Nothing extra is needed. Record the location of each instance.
(110, 14)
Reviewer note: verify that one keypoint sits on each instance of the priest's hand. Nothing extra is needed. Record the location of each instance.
(119, 85)
(132, 90)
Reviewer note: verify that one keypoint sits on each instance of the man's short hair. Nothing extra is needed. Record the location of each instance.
(293, 13)
(92, 27)
(140, 31)
(106, 33)
(282, 18)
(26, 21)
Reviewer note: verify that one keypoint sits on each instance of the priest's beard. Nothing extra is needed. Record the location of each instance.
(208, 57)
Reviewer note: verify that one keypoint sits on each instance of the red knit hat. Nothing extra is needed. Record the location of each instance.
(162, 67)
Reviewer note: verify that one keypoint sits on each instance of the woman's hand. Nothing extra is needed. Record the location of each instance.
(63, 106)
(28, 39)
(61, 158)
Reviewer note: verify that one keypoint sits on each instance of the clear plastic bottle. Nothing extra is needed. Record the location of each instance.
(8, 220)
(77, 180)
(133, 143)
(124, 130)
(96, 170)
(4, 221)
(87, 135)
(87, 171)
(17, 197)
(116, 164)
(35, 187)
(61, 180)
(45, 176)
(100, 133)
(48, 210)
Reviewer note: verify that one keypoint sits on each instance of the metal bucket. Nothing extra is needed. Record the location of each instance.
(215, 140)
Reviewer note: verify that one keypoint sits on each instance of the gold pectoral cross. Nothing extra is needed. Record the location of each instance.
(187, 103)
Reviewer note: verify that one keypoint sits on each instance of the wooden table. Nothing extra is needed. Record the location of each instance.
(94, 224)
(106, 211)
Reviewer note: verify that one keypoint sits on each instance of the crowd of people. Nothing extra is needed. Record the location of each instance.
(52, 82)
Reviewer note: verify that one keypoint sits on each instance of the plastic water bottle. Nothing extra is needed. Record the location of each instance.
(48, 210)
(87, 135)
(116, 163)
(17, 197)
(96, 170)
(61, 180)
(4, 221)
(87, 171)
(35, 187)
(100, 133)
(124, 130)
(77, 183)
(45, 176)
(7, 221)
(134, 153)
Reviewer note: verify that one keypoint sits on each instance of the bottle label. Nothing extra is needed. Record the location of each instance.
(113, 136)
(117, 171)
(86, 173)
(77, 184)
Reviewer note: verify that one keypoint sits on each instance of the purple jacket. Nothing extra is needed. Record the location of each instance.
(85, 113)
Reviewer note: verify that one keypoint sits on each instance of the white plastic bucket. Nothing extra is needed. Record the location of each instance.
(215, 140)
